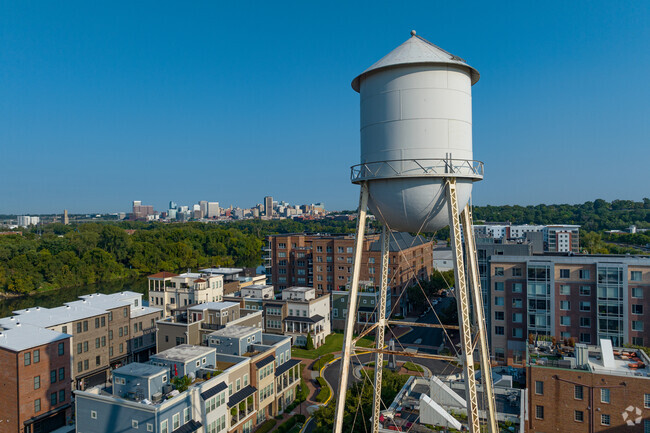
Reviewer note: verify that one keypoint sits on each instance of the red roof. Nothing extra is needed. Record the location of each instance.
(163, 275)
(199, 281)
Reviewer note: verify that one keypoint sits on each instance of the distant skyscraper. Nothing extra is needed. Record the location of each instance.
(268, 206)
(66, 221)
(173, 205)
(203, 207)
(213, 209)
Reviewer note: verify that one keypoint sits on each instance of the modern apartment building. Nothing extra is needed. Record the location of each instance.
(562, 238)
(170, 291)
(587, 389)
(299, 312)
(227, 392)
(580, 297)
(325, 262)
(367, 310)
(34, 379)
(192, 324)
(106, 330)
(235, 279)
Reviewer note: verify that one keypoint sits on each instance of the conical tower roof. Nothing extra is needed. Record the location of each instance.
(416, 51)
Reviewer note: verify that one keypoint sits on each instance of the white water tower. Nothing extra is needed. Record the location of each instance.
(416, 130)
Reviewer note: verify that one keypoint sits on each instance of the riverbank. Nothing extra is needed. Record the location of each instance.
(57, 297)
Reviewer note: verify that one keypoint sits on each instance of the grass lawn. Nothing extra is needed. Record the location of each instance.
(333, 343)
(412, 367)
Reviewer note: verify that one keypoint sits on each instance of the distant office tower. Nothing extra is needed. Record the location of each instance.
(26, 220)
(66, 220)
(140, 211)
(203, 207)
(173, 205)
(213, 209)
(268, 206)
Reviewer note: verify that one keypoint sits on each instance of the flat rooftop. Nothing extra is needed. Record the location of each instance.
(222, 271)
(298, 289)
(45, 317)
(213, 306)
(24, 336)
(140, 370)
(258, 287)
(235, 331)
(183, 353)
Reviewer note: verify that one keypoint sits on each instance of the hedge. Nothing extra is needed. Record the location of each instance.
(324, 392)
(316, 366)
(266, 426)
(288, 424)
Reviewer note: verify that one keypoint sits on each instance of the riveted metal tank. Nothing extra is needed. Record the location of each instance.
(416, 131)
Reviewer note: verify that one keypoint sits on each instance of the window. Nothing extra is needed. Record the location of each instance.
(539, 412)
(85, 325)
(585, 322)
(96, 322)
(499, 330)
(585, 290)
(578, 392)
(565, 335)
(578, 415)
(79, 348)
(134, 423)
(80, 367)
(585, 338)
(85, 364)
(565, 305)
(78, 327)
(499, 354)
(186, 415)
(37, 356)
(62, 396)
(646, 401)
(498, 286)
(565, 289)
(517, 317)
(637, 292)
(516, 272)
(499, 315)
(125, 311)
(62, 373)
(37, 405)
(98, 360)
(85, 346)
(604, 419)
(498, 271)
(539, 387)
(565, 321)
(97, 343)
(53, 399)
(28, 358)
(517, 303)
(61, 349)
(564, 273)
(584, 274)
(37, 382)
(635, 276)
(176, 421)
(637, 309)
(517, 333)
(517, 287)
(164, 428)
(637, 325)
(53, 376)
(585, 306)
(498, 301)
(604, 395)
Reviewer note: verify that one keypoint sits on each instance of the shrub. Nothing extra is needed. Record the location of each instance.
(288, 424)
(324, 392)
(266, 426)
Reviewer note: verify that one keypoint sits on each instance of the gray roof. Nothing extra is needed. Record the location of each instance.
(416, 51)
(183, 353)
(400, 241)
(313, 319)
(213, 306)
(45, 317)
(140, 370)
(221, 386)
(286, 366)
(24, 336)
(241, 394)
(235, 331)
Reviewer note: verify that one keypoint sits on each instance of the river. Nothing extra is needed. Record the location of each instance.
(56, 298)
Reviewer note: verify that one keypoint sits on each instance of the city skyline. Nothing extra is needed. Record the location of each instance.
(104, 104)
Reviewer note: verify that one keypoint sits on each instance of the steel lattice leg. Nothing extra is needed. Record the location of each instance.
(379, 330)
(462, 302)
(352, 309)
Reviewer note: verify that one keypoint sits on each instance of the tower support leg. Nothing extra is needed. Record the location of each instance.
(462, 302)
(352, 309)
(479, 318)
(381, 326)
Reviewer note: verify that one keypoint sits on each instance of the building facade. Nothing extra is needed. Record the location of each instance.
(170, 291)
(325, 262)
(583, 298)
(562, 238)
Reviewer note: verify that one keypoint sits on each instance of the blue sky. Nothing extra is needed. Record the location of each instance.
(102, 103)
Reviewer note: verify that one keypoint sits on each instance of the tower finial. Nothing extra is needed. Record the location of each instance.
(413, 33)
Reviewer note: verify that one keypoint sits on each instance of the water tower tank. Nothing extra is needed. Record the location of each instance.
(416, 130)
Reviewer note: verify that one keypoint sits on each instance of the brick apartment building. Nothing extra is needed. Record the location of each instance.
(583, 297)
(325, 262)
(34, 379)
(588, 391)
